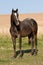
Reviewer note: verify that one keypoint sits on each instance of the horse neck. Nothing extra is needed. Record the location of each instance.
(12, 23)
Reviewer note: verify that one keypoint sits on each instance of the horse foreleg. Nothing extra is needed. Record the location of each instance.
(20, 44)
(14, 45)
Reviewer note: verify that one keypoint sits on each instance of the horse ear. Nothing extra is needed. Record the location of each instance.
(12, 10)
(16, 10)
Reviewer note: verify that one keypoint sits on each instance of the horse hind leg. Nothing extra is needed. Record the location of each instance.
(29, 39)
(36, 44)
(32, 43)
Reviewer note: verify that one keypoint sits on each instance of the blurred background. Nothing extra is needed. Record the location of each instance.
(27, 9)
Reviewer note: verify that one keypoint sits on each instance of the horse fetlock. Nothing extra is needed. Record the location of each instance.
(15, 55)
(32, 52)
(21, 54)
(36, 51)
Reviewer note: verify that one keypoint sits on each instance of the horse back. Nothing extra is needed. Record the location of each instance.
(29, 24)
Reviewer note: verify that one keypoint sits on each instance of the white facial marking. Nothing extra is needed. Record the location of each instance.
(15, 14)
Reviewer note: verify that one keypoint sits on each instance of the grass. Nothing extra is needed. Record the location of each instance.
(6, 52)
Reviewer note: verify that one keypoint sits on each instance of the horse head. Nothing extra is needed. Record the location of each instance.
(14, 17)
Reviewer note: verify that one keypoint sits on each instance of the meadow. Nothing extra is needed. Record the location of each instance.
(6, 46)
(7, 52)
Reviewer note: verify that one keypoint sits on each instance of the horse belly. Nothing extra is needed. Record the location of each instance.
(25, 32)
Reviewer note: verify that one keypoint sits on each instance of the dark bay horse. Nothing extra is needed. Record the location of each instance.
(27, 27)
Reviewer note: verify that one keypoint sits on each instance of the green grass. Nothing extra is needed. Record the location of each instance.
(6, 52)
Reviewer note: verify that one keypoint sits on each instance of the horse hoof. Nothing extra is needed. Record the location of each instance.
(35, 53)
(15, 56)
(32, 53)
(21, 55)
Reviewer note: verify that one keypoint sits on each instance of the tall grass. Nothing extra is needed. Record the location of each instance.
(6, 52)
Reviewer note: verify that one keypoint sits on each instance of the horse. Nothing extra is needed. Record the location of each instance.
(26, 28)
